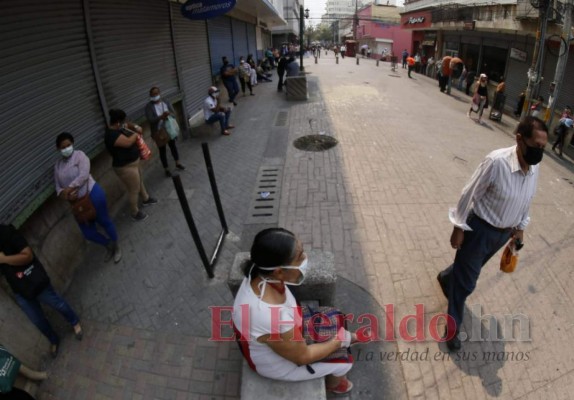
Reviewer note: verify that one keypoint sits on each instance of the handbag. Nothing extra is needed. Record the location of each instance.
(322, 324)
(145, 152)
(172, 127)
(9, 367)
(83, 208)
(160, 137)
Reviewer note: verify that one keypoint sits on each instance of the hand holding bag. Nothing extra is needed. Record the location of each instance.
(83, 209)
(172, 127)
(9, 367)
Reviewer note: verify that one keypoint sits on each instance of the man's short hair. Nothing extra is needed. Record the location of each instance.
(526, 128)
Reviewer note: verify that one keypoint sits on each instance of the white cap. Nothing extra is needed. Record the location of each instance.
(483, 76)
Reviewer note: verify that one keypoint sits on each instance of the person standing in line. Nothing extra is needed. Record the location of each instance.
(245, 76)
(566, 123)
(31, 285)
(417, 58)
(120, 140)
(462, 79)
(520, 104)
(281, 67)
(156, 112)
(73, 180)
(405, 55)
(493, 208)
(228, 73)
(430, 66)
(214, 112)
(411, 62)
(253, 71)
(536, 107)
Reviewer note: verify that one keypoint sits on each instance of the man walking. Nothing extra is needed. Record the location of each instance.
(283, 61)
(493, 208)
(228, 73)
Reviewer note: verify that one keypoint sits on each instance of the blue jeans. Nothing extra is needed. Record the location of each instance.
(90, 230)
(34, 311)
(232, 88)
(222, 117)
(460, 278)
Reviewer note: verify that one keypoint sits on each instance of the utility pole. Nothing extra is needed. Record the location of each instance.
(535, 71)
(356, 21)
(563, 56)
(301, 31)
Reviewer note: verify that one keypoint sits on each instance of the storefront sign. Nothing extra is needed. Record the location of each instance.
(415, 20)
(469, 26)
(206, 9)
(518, 54)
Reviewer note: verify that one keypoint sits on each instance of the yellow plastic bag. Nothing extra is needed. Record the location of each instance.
(509, 259)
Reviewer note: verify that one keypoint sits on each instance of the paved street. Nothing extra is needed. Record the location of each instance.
(378, 201)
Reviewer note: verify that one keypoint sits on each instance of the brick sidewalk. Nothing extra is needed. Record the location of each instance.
(378, 201)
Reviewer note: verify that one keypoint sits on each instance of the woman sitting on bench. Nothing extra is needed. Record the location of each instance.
(275, 339)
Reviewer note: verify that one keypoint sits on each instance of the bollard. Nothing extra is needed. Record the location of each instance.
(337, 59)
(377, 62)
(357, 60)
(315, 60)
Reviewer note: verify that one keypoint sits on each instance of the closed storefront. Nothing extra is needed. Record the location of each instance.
(252, 40)
(48, 87)
(192, 49)
(134, 51)
(240, 48)
(220, 41)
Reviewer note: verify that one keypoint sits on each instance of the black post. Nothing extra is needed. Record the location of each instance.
(211, 174)
(301, 30)
(193, 229)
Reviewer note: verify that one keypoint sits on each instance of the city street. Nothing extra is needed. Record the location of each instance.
(379, 202)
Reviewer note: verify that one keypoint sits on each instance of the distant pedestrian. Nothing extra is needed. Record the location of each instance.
(417, 58)
(492, 209)
(228, 74)
(480, 98)
(536, 107)
(470, 76)
(292, 67)
(213, 111)
(281, 67)
(566, 123)
(245, 76)
(120, 140)
(501, 87)
(368, 52)
(520, 104)
(31, 285)
(343, 51)
(405, 54)
(411, 63)
(445, 74)
(157, 111)
(73, 181)
(430, 66)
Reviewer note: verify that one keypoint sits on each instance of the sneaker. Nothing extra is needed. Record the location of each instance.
(117, 254)
(109, 252)
(167, 173)
(140, 216)
(345, 386)
(150, 201)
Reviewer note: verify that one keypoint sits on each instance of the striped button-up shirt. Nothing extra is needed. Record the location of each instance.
(499, 192)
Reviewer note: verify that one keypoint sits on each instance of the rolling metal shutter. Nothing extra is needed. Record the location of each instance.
(220, 42)
(48, 87)
(251, 40)
(239, 40)
(134, 51)
(193, 58)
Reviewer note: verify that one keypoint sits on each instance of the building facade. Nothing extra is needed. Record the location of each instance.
(379, 28)
(288, 33)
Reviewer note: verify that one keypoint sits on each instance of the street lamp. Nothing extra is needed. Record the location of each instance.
(302, 13)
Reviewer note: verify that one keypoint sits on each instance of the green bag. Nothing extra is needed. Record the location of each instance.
(9, 367)
(172, 127)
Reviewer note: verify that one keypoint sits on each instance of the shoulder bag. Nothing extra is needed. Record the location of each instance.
(82, 208)
(9, 367)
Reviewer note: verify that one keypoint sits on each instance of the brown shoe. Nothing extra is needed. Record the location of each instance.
(226, 133)
(230, 126)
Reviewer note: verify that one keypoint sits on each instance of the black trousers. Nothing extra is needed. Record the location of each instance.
(243, 82)
(280, 83)
(163, 153)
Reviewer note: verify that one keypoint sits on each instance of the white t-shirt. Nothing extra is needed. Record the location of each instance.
(208, 104)
(266, 361)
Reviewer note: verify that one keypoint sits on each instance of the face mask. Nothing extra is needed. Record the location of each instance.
(67, 152)
(532, 155)
(215, 95)
(155, 98)
(303, 268)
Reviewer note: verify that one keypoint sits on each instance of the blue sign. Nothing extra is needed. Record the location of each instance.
(206, 9)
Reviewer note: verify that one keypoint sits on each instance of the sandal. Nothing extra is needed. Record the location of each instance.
(344, 386)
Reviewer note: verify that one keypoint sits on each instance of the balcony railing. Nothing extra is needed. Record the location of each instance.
(460, 13)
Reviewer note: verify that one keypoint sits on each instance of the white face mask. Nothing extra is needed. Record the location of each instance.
(155, 98)
(303, 268)
(67, 152)
(215, 95)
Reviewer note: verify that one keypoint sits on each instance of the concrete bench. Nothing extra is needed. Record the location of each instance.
(319, 282)
(254, 386)
(296, 88)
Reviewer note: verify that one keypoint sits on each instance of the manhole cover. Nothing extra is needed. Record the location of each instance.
(315, 143)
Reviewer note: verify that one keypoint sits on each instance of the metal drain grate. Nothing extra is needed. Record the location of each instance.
(315, 142)
(264, 208)
(281, 119)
